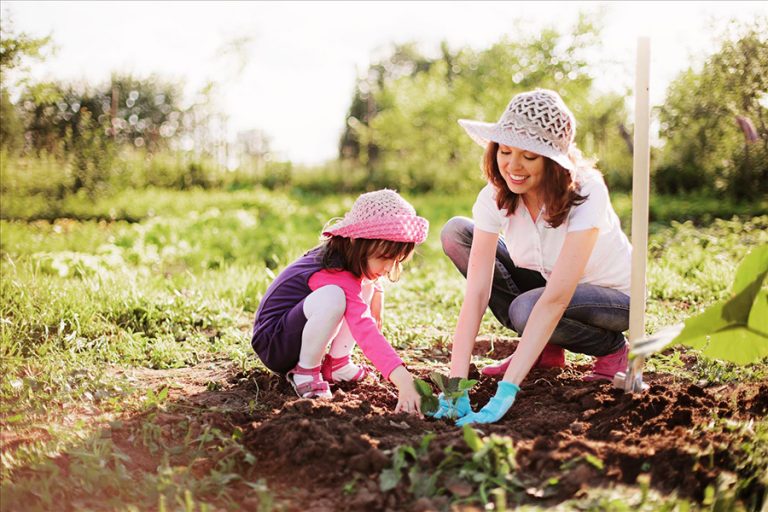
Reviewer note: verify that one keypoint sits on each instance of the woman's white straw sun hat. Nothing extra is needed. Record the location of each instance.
(537, 121)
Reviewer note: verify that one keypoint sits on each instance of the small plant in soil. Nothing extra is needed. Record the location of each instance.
(451, 387)
(488, 473)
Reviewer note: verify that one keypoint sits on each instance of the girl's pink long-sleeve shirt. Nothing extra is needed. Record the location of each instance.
(360, 320)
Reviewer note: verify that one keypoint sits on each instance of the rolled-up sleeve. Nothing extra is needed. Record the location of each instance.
(595, 211)
(485, 213)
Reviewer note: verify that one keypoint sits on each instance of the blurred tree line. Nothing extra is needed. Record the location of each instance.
(121, 133)
(14, 49)
(714, 122)
(401, 128)
(401, 125)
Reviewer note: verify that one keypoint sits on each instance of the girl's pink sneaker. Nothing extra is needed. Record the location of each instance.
(553, 356)
(606, 366)
(334, 364)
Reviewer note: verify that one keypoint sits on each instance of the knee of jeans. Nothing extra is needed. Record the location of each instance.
(520, 311)
(333, 300)
(451, 233)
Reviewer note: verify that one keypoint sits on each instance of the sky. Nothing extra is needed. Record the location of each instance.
(289, 68)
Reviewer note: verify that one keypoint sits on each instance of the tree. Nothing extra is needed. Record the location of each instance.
(15, 49)
(142, 112)
(416, 102)
(11, 127)
(703, 115)
(356, 141)
(126, 110)
(87, 126)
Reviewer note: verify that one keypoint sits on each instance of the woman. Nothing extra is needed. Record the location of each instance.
(560, 275)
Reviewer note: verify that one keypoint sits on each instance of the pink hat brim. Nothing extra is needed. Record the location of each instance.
(397, 228)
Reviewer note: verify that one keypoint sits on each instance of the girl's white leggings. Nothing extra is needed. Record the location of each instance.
(324, 309)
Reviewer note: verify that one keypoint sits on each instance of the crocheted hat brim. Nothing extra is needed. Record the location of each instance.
(483, 133)
(397, 228)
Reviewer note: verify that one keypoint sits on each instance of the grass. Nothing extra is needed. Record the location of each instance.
(164, 279)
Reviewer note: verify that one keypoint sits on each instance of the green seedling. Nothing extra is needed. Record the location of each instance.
(451, 387)
(429, 403)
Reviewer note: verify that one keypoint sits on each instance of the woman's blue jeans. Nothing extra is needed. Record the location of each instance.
(593, 322)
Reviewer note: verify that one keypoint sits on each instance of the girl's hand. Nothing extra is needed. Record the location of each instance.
(408, 399)
(377, 307)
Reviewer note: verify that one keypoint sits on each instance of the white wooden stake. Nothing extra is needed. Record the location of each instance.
(640, 185)
(632, 380)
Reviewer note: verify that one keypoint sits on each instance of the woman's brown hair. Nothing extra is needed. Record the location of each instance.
(352, 254)
(559, 191)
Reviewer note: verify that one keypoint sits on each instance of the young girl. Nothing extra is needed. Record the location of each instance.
(559, 276)
(330, 298)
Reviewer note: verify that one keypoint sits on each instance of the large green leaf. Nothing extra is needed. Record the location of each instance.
(739, 345)
(735, 329)
(753, 267)
(758, 315)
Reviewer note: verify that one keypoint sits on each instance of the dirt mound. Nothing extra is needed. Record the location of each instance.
(565, 430)
(563, 435)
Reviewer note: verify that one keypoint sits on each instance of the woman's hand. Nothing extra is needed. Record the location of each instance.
(377, 307)
(408, 399)
(496, 407)
(449, 409)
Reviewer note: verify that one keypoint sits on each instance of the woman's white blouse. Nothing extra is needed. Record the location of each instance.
(534, 245)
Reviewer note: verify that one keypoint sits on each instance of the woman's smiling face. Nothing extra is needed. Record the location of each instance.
(522, 170)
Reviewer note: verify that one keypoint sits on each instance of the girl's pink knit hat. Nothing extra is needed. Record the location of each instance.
(381, 215)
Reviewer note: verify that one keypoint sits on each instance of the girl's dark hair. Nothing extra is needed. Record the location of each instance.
(559, 191)
(352, 254)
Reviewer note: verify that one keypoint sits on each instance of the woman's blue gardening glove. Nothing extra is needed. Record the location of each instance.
(447, 409)
(496, 407)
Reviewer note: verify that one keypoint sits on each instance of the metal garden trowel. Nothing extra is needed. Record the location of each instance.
(631, 381)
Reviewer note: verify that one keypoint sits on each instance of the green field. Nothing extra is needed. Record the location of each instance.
(96, 293)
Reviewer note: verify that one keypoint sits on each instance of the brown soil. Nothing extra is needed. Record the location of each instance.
(556, 421)
(327, 455)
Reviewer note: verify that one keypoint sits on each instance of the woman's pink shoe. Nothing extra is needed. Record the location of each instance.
(552, 356)
(606, 366)
(315, 388)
